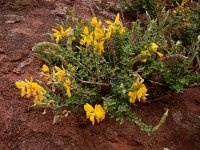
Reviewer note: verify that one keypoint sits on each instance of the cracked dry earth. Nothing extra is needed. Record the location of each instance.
(26, 22)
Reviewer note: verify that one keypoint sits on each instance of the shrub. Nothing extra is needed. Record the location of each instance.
(90, 64)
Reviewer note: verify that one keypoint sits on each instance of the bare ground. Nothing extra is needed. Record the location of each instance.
(26, 22)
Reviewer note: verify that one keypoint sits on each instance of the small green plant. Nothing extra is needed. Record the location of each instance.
(179, 65)
(183, 24)
(90, 64)
(172, 73)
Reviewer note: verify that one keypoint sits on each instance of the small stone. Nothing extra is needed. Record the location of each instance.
(111, 135)
(2, 58)
(2, 51)
(177, 117)
(11, 19)
(60, 10)
(22, 65)
(58, 140)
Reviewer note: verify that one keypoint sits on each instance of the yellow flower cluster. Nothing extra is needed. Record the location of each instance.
(98, 36)
(153, 49)
(61, 33)
(59, 75)
(115, 26)
(95, 38)
(97, 113)
(30, 88)
(137, 91)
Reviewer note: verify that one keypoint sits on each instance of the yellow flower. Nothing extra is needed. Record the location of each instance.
(137, 83)
(154, 47)
(99, 34)
(94, 21)
(97, 113)
(85, 30)
(21, 85)
(30, 88)
(71, 68)
(108, 35)
(101, 47)
(59, 34)
(118, 22)
(122, 29)
(90, 112)
(138, 91)
(146, 52)
(132, 96)
(117, 19)
(60, 73)
(67, 87)
(159, 54)
(96, 38)
(45, 69)
(117, 25)
(87, 37)
(141, 92)
(109, 22)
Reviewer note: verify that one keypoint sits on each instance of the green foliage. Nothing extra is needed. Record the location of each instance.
(182, 53)
(184, 24)
(49, 52)
(135, 7)
(91, 63)
(174, 74)
(101, 78)
(121, 111)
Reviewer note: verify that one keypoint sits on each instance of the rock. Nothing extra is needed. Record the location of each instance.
(177, 117)
(11, 19)
(2, 58)
(60, 10)
(58, 140)
(2, 51)
(111, 135)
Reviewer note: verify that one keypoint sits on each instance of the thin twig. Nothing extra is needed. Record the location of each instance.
(198, 61)
(138, 75)
(137, 58)
(156, 99)
(162, 121)
(93, 83)
(157, 83)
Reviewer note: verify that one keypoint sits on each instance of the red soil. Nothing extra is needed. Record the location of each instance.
(26, 22)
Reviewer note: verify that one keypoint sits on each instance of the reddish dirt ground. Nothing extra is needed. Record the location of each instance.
(26, 22)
